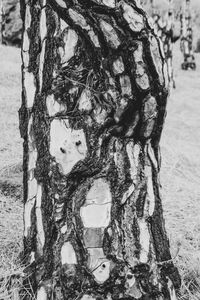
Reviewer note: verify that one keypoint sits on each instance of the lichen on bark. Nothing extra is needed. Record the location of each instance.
(92, 113)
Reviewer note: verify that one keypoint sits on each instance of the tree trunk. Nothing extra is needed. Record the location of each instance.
(164, 27)
(10, 22)
(187, 37)
(93, 106)
(168, 44)
(1, 20)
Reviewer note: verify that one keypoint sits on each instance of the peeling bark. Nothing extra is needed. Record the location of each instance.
(94, 92)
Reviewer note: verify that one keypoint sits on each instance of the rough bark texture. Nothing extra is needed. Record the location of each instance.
(93, 106)
(165, 30)
(11, 24)
(187, 37)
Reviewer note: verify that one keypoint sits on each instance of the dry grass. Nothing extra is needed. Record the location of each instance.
(180, 177)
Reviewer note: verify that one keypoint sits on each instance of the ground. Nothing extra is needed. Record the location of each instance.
(180, 175)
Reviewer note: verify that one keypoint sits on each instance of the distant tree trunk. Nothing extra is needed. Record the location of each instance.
(10, 22)
(187, 37)
(168, 45)
(164, 26)
(93, 106)
(1, 20)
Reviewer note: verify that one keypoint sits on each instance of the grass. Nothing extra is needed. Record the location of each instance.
(180, 177)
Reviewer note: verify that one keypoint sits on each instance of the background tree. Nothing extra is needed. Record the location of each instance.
(1, 20)
(10, 22)
(187, 37)
(93, 106)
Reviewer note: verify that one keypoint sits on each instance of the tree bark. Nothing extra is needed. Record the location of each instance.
(10, 22)
(164, 27)
(1, 20)
(187, 37)
(94, 93)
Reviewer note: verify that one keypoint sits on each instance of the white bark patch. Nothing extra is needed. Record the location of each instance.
(118, 158)
(68, 255)
(81, 21)
(151, 155)
(53, 107)
(63, 25)
(66, 145)
(32, 257)
(96, 257)
(138, 53)
(94, 38)
(27, 215)
(110, 34)
(25, 59)
(102, 273)
(25, 48)
(32, 159)
(39, 221)
(26, 41)
(133, 151)
(64, 229)
(70, 41)
(130, 281)
(41, 64)
(32, 150)
(43, 25)
(118, 66)
(100, 115)
(134, 20)
(132, 288)
(143, 81)
(88, 297)
(150, 197)
(61, 3)
(42, 294)
(125, 85)
(30, 88)
(96, 216)
(96, 211)
(155, 53)
(110, 3)
(142, 78)
(58, 211)
(85, 101)
(99, 193)
(32, 188)
(78, 19)
(171, 290)
(166, 75)
(144, 240)
(128, 193)
(27, 22)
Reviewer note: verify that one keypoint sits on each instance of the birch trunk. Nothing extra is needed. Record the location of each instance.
(94, 92)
